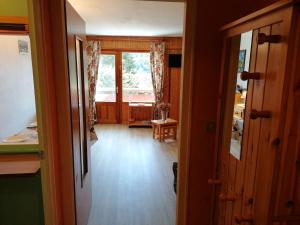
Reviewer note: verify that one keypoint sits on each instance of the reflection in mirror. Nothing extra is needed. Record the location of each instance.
(240, 97)
(17, 96)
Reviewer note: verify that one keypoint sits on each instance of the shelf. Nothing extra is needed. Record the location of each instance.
(13, 164)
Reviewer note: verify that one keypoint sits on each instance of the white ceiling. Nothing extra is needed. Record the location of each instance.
(131, 17)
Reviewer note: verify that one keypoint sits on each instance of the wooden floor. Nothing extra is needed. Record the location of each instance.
(132, 178)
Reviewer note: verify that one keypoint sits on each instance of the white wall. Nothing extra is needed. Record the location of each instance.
(246, 43)
(17, 101)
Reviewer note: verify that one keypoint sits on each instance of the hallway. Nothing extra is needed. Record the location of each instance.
(132, 178)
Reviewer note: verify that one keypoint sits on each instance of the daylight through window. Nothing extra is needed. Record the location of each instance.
(136, 77)
(106, 85)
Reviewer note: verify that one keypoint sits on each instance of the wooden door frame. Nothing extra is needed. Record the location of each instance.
(60, 204)
(118, 84)
(58, 185)
(50, 62)
(272, 14)
(185, 111)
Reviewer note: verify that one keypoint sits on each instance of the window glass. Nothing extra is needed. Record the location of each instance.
(136, 77)
(106, 85)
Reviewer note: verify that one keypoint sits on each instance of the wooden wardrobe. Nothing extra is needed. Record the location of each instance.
(262, 186)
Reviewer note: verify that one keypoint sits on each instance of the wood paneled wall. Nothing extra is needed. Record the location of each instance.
(172, 75)
(200, 101)
(114, 43)
(264, 184)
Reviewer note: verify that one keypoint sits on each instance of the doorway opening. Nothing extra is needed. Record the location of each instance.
(137, 105)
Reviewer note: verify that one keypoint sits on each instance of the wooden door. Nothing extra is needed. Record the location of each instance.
(175, 77)
(79, 108)
(245, 179)
(108, 97)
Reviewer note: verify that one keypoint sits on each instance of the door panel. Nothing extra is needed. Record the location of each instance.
(175, 78)
(269, 131)
(247, 183)
(108, 91)
(288, 195)
(253, 132)
(79, 103)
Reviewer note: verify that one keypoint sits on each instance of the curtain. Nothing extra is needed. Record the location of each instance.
(93, 53)
(157, 58)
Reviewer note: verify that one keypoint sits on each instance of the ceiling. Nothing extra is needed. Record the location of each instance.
(131, 17)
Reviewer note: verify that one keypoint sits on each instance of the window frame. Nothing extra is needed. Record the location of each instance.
(121, 73)
(117, 76)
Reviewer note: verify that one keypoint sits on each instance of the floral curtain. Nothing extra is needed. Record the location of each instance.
(93, 53)
(157, 58)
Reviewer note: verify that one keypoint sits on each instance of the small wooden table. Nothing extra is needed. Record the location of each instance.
(164, 129)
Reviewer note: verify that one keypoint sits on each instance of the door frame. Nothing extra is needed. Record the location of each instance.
(118, 87)
(58, 169)
(58, 185)
(119, 73)
(57, 166)
(49, 50)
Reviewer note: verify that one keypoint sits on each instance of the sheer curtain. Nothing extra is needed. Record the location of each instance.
(157, 58)
(93, 53)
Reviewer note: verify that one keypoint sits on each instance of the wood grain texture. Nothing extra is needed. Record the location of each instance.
(116, 45)
(289, 176)
(17, 20)
(254, 178)
(175, 78)
(140, 115)
(79, 101)
(14, 19)
(49, 59)
(132, 178)
(135, 43)
(19, 164)
(106, 112)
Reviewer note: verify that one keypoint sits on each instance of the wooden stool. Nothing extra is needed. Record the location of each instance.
(164, 129)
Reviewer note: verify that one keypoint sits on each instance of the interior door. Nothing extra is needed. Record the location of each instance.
(251, 121)
(79, 103)
(108, 100)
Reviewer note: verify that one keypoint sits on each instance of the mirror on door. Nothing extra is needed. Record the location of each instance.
(17, 95)
(237, 90)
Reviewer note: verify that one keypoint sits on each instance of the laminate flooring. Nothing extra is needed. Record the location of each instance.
(132, 178)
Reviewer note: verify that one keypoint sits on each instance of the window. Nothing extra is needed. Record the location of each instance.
(106, 85)
(136, 77)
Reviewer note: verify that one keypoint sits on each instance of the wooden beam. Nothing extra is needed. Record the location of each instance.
(14, 19)
(130, 38)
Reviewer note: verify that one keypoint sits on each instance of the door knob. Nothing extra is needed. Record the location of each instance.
(249, 76)
(241, 219)
(263, 38)
(227, 198)
(214, 181)
(254, 114)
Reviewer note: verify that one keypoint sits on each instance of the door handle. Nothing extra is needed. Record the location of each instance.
(214, 181)
(254, 114)
(242, 219)
(249, 76)
(117, 90)
(228, 198)
(263, 38)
